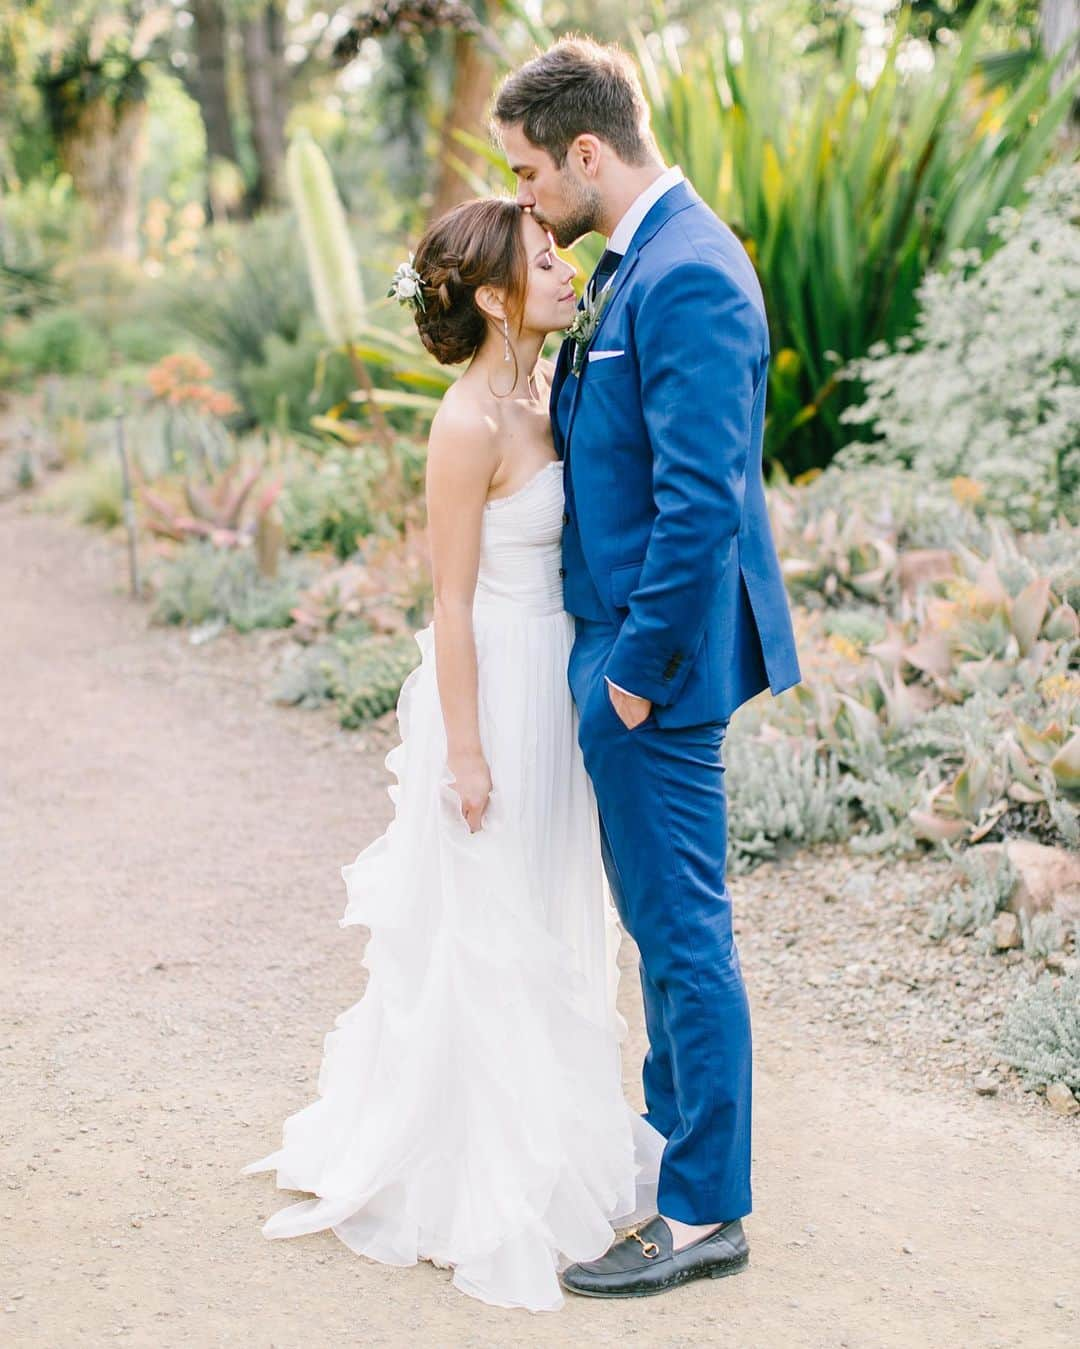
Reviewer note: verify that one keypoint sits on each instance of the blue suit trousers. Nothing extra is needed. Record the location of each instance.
(663, 828)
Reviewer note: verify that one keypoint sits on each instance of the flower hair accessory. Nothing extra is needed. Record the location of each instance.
(407, 286)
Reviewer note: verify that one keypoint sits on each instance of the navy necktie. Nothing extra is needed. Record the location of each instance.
(609, 260)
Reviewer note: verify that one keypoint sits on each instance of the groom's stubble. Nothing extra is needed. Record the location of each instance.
(582, 211)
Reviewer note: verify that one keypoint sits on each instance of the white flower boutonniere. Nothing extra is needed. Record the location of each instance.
(584, 326)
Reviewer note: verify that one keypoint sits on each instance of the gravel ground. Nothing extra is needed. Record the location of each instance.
(838, 943)
(170, 844)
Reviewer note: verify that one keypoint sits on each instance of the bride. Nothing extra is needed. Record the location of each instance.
(470, 1109)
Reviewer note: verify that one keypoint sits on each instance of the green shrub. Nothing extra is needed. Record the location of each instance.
(327, 503)
(365, 678)
(58, 341)
(295, 381)
(250, 282)
(91, 493)
(143, 339)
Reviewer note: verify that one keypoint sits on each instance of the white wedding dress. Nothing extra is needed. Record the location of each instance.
(470, 1108)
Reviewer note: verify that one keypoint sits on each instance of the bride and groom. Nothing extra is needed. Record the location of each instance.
(607, 593)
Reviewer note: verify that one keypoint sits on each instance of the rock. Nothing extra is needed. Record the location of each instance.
(1005, 930)
(985, 1085)
(920, 566)
(1048, 878)
(1061, 1100)
(1056, 961)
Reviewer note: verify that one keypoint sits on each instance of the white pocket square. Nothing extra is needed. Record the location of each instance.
(604, 355)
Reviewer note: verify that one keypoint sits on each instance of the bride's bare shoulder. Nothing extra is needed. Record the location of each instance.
(462, 442)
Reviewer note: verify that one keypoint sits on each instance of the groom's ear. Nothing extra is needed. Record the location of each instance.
(586, 150)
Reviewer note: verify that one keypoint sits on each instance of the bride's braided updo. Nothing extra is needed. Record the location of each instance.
(478, 243)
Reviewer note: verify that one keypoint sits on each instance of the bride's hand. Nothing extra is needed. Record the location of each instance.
(472, 783)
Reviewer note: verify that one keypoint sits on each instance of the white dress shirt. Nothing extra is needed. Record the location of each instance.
(620, 240)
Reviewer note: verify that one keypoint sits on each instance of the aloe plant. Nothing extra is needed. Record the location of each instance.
(215, 507)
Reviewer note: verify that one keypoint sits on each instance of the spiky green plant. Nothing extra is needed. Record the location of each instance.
(844, 193)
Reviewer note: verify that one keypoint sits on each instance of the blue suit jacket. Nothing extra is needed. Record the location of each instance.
(666, 521)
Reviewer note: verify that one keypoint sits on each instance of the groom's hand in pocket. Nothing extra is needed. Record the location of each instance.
(629, 708)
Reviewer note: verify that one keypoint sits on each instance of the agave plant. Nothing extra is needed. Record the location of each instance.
(213, 508)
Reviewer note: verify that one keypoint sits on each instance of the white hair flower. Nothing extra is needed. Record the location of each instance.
(407, 286)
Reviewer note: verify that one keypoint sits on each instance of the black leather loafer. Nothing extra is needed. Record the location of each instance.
(643, 1262)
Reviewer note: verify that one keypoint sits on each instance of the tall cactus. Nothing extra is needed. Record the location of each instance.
(332, 265)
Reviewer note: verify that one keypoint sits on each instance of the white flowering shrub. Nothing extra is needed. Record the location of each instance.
(987, 388)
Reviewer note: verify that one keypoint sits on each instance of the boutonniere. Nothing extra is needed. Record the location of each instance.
(584, 326)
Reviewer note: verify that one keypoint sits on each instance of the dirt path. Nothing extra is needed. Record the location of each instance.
(170, 846)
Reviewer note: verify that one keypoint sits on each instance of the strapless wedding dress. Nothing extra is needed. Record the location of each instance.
(470, 1108)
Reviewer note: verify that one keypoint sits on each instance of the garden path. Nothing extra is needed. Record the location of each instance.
(170, 845)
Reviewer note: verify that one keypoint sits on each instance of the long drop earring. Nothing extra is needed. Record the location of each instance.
(506, 341)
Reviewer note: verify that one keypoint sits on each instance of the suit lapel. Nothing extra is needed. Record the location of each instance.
(617, 282)
(676, 199)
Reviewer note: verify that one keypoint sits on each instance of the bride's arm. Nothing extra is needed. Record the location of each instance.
(462, 460)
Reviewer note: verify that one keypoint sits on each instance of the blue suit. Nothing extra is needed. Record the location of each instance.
(671, 571)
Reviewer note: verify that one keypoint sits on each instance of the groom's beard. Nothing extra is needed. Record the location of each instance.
(583, 216)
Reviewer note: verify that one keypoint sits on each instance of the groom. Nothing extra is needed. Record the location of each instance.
(671, 573)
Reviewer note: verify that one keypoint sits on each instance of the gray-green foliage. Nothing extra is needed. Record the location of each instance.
(304, 680)
(202, 583)
(1043, 933)
(970, 907)
(359, 670)
(780, 791)
(1040, 1035)
(990, 385)
(365, 679)
(59, 341)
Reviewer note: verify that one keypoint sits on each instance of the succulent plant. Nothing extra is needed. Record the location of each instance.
(215, 506)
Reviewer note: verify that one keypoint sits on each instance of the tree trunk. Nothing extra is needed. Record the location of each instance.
(474, 80)
(211, 87)
(104, 153)
(265, 80)
(1059, 24)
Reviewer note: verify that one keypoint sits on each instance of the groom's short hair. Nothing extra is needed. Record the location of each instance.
(578, 87)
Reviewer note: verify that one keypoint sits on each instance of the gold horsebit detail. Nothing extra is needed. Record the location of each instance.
(649, 1249)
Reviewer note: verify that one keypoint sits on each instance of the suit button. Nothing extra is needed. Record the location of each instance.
(566, 518)
(562, 571)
